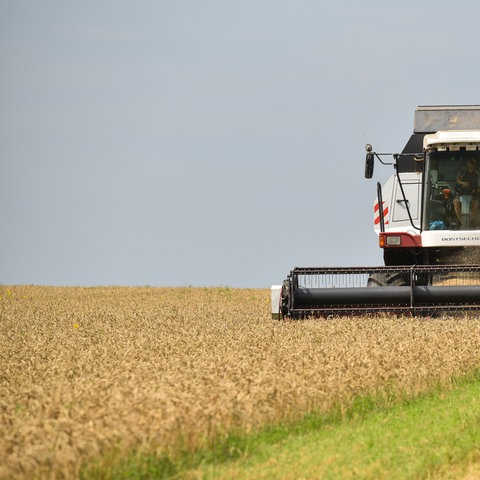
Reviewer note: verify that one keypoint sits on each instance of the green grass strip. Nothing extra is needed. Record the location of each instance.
(418, 438)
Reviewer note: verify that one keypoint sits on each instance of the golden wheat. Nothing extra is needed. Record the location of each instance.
(86, 371)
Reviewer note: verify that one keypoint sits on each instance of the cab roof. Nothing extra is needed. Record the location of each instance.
(452, 140)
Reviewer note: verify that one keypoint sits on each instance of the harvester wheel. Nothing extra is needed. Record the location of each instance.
(386, 280)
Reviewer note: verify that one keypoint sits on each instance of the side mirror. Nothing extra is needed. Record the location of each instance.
(369, 161)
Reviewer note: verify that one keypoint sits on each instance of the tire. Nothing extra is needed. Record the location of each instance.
(386, 280)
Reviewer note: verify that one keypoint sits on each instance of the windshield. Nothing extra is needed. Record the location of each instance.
(452, 191)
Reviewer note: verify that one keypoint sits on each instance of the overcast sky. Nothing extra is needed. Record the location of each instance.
(210, 143)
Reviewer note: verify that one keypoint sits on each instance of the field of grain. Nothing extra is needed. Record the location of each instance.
(89, 371)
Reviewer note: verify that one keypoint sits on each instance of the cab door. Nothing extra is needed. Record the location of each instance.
(401, 206)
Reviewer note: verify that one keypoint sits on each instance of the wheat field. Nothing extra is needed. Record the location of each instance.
(85, 372)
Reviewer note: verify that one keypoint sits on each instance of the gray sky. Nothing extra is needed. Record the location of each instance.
(210, 143)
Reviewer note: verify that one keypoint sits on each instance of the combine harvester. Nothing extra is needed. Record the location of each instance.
(427, 217)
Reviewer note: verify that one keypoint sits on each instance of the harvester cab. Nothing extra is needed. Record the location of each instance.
(427, 218)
